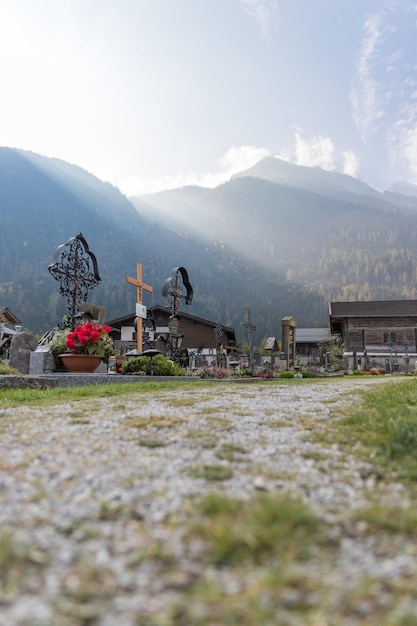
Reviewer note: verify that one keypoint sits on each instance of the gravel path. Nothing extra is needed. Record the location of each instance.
(86, 490)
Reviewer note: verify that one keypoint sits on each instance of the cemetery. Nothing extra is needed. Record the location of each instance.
(376, 337)
(108, 496)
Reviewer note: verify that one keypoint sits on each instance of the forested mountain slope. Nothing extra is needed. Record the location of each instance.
(324, 231)
(44, 202)
(281, 239)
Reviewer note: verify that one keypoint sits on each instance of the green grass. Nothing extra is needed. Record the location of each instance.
(151, 443)
(391, 519)
(269, 527)
(16, 397)
(385, 426)
(212, 472)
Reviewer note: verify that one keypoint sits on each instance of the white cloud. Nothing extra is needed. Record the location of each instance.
(365, 97)
(264, 12)
(350, 163)
(317, 151)
(320, 151)
(233, 161)
(402, 145)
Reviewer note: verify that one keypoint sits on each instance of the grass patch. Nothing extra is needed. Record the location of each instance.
(268, 527)
(204, 438)
(385, 426)
(230, 452)
(16, 397)
(277, 423)
(185, 402)
(80, 421)
(19, 563)
(151, 443)
(153, 421)
(110, 511)
(395, 520)
(220, 424)
(212, 472)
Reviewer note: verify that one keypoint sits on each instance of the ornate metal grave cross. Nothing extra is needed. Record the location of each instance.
(174, 287)
(140, 285)
(218, 332)
(75, 267)
(251, 327)
(177, 287)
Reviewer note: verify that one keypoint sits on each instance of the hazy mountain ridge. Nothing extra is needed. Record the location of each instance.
(44, 202)
(314, 179)
(279, 248)
(323, 230)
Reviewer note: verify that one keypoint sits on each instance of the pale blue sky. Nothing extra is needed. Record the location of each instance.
(153, 94)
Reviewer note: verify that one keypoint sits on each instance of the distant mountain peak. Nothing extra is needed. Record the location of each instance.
(405, 189)
(314, 179)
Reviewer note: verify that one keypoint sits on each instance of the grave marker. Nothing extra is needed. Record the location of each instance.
(140, 285)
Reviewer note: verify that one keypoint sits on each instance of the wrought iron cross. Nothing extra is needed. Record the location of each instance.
(251, 327)
(174, 287)
(75, 267)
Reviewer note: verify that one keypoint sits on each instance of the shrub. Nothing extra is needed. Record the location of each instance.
(164, 367)
(57, 346)
(287, 375)
(244, 372)
(6, 370)
(161, 366)
(307, 374)
(137, 365)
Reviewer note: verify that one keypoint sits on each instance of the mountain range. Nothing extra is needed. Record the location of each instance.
(278, 238)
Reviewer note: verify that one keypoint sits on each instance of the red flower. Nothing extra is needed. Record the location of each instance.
(89, 339)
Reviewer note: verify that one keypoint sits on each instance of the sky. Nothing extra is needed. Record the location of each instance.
(158, 94)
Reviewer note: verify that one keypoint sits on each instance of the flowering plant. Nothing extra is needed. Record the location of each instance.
(90, 339)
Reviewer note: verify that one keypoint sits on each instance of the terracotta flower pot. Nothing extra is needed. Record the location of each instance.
(81, 363)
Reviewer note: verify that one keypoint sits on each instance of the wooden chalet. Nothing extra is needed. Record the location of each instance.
(7, 317)
(197, 334)
(8, 323)
(307, 342)
(377, 333)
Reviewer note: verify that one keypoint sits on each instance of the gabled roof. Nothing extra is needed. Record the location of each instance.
(311, 335)
(272, 344)
(6, 316)
(376, 308)
(127, 318)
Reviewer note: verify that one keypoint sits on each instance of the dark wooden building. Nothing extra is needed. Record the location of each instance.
(197, 334)
(377, 333)
(307, 341)
(8, 324)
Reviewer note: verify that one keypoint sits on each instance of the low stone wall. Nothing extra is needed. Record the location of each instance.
(28, 382)
(78, 380)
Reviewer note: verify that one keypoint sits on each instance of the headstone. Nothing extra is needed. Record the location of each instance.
(21, 347)
(97, 312)
(41, 361)
(184, 358)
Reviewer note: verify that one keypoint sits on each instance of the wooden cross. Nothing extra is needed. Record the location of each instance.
(140, 286)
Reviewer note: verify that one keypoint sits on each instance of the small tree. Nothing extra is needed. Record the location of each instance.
(331, 349)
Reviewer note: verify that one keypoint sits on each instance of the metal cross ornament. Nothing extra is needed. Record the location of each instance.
(177, 287)
(75, 267)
